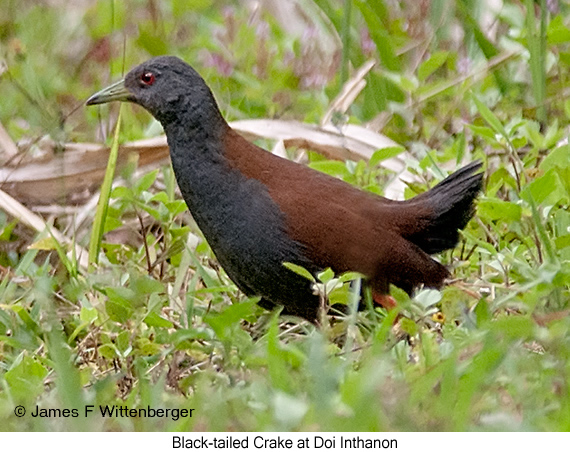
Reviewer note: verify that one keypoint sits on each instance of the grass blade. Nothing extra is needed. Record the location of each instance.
(537, 50)
(103, 204)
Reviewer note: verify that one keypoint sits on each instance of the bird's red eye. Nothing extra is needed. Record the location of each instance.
(147, 78)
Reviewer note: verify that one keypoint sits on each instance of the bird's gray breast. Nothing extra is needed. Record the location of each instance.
(243, 225)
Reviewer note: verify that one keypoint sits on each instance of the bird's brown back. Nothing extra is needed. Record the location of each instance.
(341, 226)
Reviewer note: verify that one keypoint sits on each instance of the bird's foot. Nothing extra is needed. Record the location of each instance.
(386, 301)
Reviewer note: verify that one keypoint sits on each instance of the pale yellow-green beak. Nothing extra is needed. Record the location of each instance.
(117, 91)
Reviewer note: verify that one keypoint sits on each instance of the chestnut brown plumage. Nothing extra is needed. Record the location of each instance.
(258, 210)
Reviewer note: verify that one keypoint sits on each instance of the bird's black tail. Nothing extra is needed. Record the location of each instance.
(440, 212)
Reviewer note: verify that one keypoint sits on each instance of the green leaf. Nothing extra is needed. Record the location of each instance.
(88, 315)
(122, 192)
(562, 241)
(559, 157)
(557, 32)
(119, 305)
(277, 359)
(176, 207)
(339, 295)
(484, 132)
(432, 64)
(162, 197)
(112, 223)
(331, 167)
(123, 342)
(25, 378)
(153, 319)
(409, 326)
(428, 297)
(144, 285)
(474, 375)
(384, 154)
(301, 271)
(482, 313)
(544, 237)
(490, 117)
(399, 295)
(108, 351)
(183, 336)
(27, 319)
(44, 244)
(380, 36)
(494, 209)
(146, 181)
(118, 310)
(225, 324)
(482, 244)
(6, 231)
(514, 327)
(147, 348)
(350, 276)
(546, 189)
(325, 276)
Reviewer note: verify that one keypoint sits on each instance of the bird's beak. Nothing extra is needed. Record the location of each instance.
(117, 91)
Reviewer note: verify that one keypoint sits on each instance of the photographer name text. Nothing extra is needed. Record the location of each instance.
(113, 411)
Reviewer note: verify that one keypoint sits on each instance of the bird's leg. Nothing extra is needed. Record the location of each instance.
(385, 300)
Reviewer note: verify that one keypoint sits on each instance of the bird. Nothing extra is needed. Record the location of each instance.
(259, 211)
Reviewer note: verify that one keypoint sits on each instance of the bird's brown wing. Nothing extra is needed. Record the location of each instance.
(340, 226)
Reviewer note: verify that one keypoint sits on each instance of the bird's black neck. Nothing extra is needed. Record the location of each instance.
(195, 139)
(195, 136)
(195, 112)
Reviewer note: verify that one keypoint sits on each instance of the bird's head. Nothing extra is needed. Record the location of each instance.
(165, 86)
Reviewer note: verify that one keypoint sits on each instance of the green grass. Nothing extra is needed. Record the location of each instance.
(157, 322)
